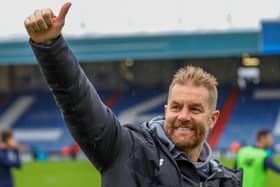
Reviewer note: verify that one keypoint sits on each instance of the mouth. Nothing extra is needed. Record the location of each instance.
(184, 130)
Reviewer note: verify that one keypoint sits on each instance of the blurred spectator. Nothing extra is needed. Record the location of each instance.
(71, 151)
(37, 153)
(255, 160)
(235, 146)
(75, 148)
(9, 157)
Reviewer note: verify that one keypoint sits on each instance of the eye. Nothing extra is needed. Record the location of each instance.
(175, 107)
(196, 110)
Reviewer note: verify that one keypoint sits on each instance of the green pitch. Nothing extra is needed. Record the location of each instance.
(272, 179)
(78, 173)
(57, 174)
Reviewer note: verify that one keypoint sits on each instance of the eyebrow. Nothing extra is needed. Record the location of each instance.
(196, 105)
(174, 102)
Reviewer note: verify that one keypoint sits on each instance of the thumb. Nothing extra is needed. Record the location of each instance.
(63, 11)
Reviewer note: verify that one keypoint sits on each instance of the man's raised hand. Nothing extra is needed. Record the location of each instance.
(43, 26)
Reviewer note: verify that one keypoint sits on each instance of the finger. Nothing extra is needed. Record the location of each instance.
(28, 26)
(42, 25)
(47, 15)
(36, 13)
(34, 24)
(41, 22)
(63, 11)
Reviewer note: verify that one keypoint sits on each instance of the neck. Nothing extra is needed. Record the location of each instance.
(193, 154)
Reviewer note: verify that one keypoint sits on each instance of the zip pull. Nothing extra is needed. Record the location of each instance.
(201, 184)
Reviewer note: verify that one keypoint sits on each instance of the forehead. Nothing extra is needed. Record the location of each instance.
(189, 92)
(269, 135)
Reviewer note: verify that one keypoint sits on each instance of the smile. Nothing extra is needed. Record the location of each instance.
(184, 129)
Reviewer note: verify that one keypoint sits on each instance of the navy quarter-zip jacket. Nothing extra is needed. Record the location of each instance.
(126, 155)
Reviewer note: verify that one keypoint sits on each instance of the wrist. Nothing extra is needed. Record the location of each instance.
(47, 42)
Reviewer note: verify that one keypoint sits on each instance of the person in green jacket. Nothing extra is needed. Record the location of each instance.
(255, 160)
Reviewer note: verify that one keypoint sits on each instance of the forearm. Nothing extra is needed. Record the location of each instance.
(68, 83)
(57, 62)
(91, 123)
(269, 163)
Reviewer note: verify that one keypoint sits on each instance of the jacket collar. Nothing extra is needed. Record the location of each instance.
(203, 167)
(157, 123)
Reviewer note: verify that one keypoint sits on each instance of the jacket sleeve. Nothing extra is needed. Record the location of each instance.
(269, 163)
(91, 123)
(11, 159)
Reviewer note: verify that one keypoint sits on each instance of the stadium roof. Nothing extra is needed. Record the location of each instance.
(168, 45)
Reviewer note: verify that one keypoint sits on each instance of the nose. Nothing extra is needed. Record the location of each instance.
(184, 115)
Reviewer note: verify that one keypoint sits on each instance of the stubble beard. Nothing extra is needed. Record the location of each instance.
(188, 143)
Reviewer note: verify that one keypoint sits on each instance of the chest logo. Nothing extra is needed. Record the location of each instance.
(161, 161)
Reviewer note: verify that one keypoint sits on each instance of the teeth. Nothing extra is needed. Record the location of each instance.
(185, 128)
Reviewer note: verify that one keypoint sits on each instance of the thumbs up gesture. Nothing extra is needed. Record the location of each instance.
(43, 25)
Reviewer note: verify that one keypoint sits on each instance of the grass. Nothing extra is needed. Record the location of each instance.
(57, 174)
(79, 173)
(272, 178)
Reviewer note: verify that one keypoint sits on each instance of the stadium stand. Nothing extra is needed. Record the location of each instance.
(41, 123)
(139, 104)
(225, 111)
(257, 107)
(37, 120)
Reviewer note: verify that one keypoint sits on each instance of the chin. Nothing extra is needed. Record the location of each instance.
(185, 144)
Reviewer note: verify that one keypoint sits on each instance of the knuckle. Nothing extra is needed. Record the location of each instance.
(26, 22)
(31, 23)
(49, 11)
(45, 12)
(40, 20)
(31, 16)
(46, 15)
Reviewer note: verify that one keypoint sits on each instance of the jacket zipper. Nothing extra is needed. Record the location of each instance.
(201, 184)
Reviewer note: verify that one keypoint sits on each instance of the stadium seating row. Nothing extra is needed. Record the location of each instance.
(37, 120)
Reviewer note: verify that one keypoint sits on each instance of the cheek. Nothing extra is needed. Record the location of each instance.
(170, 117)
(203, 124)
(169, 122)
(207, 122)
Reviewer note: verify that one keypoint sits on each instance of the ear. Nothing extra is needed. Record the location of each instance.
(214, 118)
(165, 109)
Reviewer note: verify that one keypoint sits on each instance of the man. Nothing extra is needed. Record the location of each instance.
(9, 158)
(169, 151)
(255, 160)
